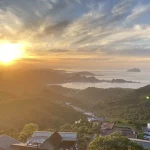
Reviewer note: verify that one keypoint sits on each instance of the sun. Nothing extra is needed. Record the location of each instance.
(10, 52)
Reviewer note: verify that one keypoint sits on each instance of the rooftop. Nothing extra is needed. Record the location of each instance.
(107, 125)
(57, 138)
(46, 134)
(41, 136)
(6, 142)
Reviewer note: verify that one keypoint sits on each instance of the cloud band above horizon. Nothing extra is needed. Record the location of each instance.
(84, 29)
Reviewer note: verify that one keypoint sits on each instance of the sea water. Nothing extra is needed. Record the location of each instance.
(142, 77)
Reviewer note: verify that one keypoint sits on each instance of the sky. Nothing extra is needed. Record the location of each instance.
(94, 34)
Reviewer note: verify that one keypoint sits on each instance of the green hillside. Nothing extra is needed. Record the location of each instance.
(46, 109)
(113, 102)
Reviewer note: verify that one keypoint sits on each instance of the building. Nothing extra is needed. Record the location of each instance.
(43, 140)
(146, 131)
(95, 119)
(144, 143)
(148, 127)
(108, 128)
(107, 125)
(6, 142)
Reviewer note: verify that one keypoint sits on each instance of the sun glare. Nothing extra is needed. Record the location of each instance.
(10, 52)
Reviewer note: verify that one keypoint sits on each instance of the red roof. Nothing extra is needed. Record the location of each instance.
(107, 125)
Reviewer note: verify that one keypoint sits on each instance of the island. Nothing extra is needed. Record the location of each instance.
(134, 70)
(122, 81)
(117, 81)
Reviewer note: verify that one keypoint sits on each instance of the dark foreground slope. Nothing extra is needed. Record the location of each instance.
(46, 109)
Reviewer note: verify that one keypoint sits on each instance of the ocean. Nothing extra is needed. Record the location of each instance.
(142, 77)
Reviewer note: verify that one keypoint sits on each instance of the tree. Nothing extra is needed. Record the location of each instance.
(114, 141)
(28, 131)
(50, 130)
(66, 128)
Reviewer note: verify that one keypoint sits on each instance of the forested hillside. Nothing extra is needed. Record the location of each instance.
(91, 96)
(46, 109)
(134, 105)
(25, 97)
(114, 102)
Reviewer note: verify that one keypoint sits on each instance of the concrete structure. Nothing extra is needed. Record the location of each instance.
(95, 119)
(144, 143)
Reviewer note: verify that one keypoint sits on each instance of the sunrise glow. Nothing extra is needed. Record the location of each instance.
(10, 52)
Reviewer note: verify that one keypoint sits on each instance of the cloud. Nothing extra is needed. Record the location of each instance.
(122, 7)
(32, 60)
(137, 12)
(87, 59)
(58, 28)
(78, 27)
(9, 21)
(59, 51)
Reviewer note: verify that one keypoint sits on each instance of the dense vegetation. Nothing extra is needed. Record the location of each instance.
(48, 105)
(85, 130)
(87, 136)
(110, 103)
(25, 98)
(114, 142)
(46, 109)
(113, 103)
(132, 106)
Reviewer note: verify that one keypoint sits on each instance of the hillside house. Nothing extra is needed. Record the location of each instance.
(43, 140)
(108, 128)
(105, 126)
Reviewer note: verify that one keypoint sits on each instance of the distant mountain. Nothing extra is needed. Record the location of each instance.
(86, 73)
(134, 70)
(28, 81)
(117, 81)
(122, 81)
(79, 77)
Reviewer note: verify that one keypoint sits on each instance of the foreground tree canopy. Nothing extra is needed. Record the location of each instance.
(114, 141)
(28, 131)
